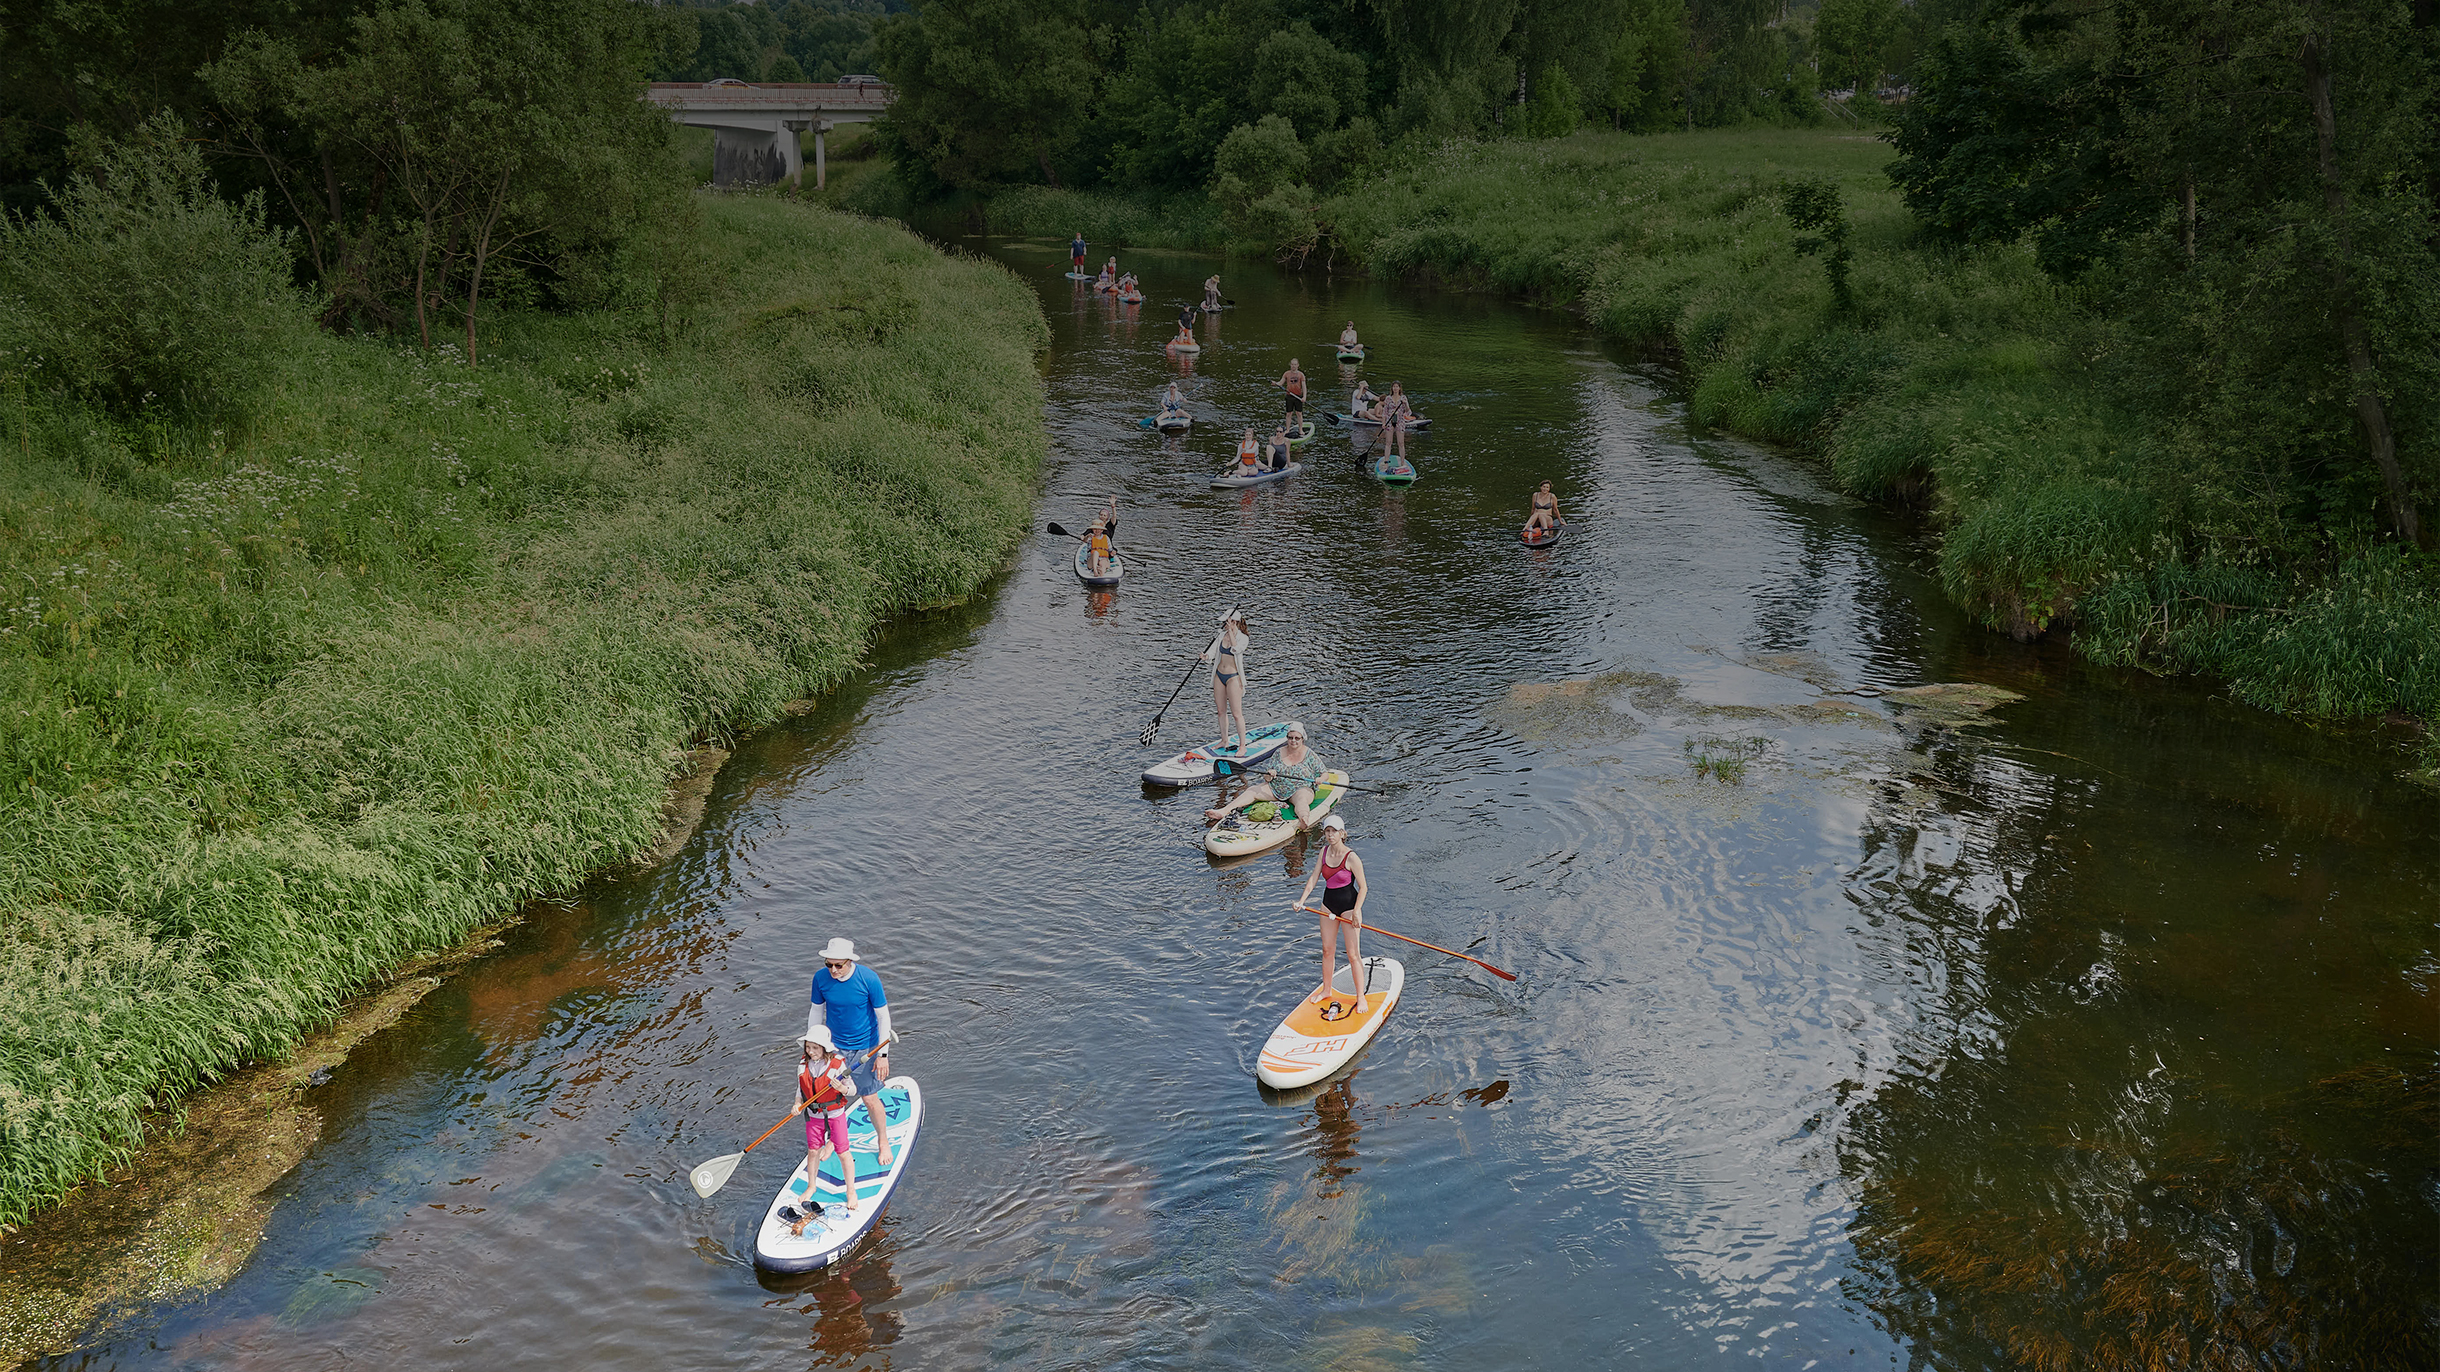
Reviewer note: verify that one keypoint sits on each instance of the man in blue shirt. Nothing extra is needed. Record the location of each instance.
(1076, 255)
(848, 1000)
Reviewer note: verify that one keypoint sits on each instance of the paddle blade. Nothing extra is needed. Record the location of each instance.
(1144, 423)
(711, 1176)
(1056, 529)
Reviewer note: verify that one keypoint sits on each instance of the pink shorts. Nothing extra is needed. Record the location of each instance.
(818, 1125)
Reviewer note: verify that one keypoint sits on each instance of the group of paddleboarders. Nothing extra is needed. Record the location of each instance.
(1289, 781)
(843, 1057)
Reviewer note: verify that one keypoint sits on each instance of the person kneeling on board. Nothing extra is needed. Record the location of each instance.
(825, 1089)
(849, 1002)
(1341, 874)
(1290, 780)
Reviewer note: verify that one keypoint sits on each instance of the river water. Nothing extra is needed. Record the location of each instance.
(2096, 1027)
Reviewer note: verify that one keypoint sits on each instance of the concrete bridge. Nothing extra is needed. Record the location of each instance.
(755, 128)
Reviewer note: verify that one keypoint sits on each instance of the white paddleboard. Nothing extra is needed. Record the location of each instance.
(836, 1230)
(1084, 569)
(1238, 836)
(1177, 347)
(1259, 478)
(1194, 766)
(1317, 1039)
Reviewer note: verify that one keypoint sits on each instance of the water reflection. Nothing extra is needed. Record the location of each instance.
(851, 1301)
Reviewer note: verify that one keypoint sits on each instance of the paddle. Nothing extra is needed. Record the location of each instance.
(1155, 726)
(711, 1176)
(1371, 928)
(1222, 767)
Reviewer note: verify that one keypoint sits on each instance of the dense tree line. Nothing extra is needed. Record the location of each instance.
(794, 40)
(2256, 185)
(1080, 93)
(423, 157)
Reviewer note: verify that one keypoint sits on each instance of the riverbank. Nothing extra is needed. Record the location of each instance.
(1967, 383)
(300, 703)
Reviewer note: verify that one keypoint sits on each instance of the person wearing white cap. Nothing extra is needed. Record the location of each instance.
(1341, 874)
(849, 1002)
(1227, 657)
(824, 1088)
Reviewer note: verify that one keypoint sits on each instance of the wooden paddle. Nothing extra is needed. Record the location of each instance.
(711, 1176)
(1369, 927)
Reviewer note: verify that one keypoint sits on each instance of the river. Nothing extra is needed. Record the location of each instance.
(1853, 1030)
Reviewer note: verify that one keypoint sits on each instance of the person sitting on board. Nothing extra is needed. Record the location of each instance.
(1097, 549)
(848, 1001)
(1347, 338)
(1076, 254)
(1290, 781)
(1173, 405)
(1211, 291)
(1361, 401)
(1545, 512)
(1280, 451)
(1341, 873)
(1109, 522)
(825, 1090)
(1249, 454)
(1292, 382)
(1227, 657)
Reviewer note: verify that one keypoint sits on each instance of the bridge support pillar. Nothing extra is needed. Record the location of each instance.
(757, 155)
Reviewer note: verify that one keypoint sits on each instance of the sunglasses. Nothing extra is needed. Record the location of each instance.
(836, 965)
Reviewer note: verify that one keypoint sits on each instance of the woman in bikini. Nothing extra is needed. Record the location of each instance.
(1341, 874)
(1395, 413)
(1227, 657)
(1545, 511)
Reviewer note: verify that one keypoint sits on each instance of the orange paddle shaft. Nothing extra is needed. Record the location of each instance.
(1375, 928)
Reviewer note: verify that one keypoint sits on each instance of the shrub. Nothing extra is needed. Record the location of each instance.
(142, 291)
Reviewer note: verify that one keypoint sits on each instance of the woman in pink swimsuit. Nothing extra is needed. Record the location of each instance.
(1341, 874)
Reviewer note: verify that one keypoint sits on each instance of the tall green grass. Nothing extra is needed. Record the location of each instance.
(291, 703)
(1968, 382)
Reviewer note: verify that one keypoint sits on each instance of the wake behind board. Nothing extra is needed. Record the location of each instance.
(1194, 766)
(1317, 1039)
(1084, 569)
(836, 1230)
(1238, 836)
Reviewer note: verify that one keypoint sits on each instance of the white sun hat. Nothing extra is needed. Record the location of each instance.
(819, 1036)
(840, 950)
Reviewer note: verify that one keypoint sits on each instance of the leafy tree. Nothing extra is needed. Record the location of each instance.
(1853, 36)
(1300, 76)
(987, 90)
(1258, 180)
(1815, 203)
(1556, 109)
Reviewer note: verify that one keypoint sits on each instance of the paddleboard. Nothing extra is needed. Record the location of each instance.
(1214, 309)
(1130, 297)
(1316, 1040)
(1305, 430)
(1414, 425)
(1238, 836)
(1230, 477)
(1393, 470)
(1194, 766)
(1174, 424)
(1354, 354)
(1084, 564)
(835, 1230)
(1177, 347)
(1538, 538)
(1080, 276)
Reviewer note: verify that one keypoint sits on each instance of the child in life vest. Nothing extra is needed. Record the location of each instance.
(822, 1080)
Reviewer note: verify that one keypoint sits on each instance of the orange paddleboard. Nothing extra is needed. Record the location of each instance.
(1320, 1037)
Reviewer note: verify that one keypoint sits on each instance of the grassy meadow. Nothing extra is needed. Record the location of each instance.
(1964, 381)
(297, 700)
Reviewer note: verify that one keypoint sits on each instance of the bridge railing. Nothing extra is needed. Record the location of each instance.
(772, 96)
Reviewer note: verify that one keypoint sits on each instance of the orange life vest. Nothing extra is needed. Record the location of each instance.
(818, 1088)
